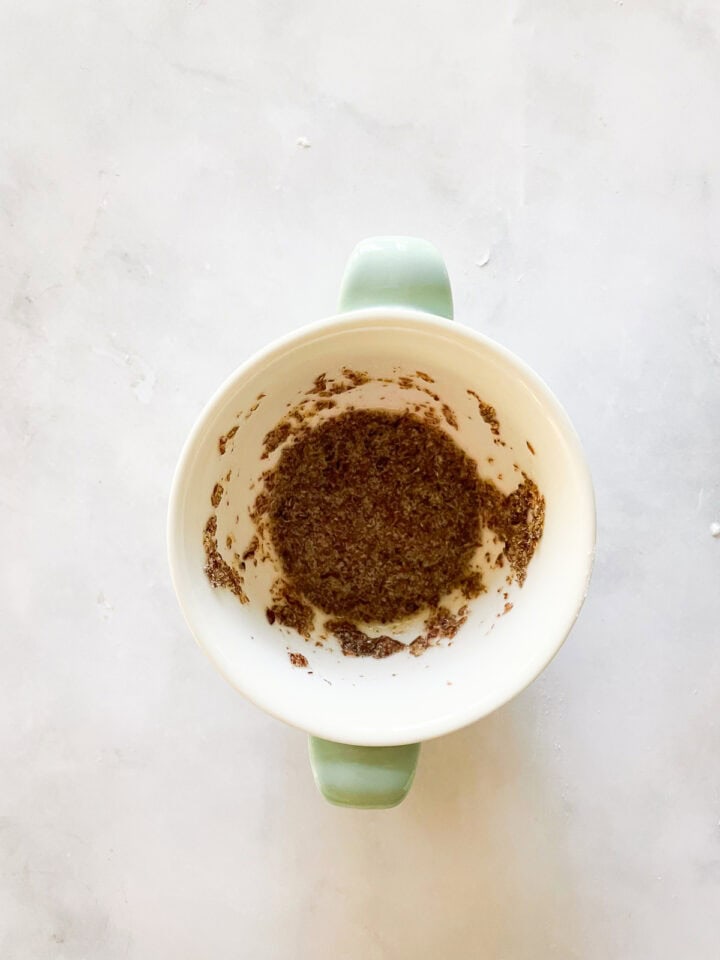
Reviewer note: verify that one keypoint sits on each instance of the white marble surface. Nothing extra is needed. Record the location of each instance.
(159, 222)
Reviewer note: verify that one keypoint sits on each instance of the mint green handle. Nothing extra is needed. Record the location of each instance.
(372, 778)
(381, 272)
(396, 272)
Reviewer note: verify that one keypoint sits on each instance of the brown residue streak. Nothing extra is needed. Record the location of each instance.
(530, 447)
(507, 608)
(223, 440)
(518, 519)
(323, 405)
(319, 385)
(355, 643)
(440, 624)
(260, 507)
(449, 415)
(418, 647)
(488, 413)
(291, 609)
(217, 570)
(424, 376)
(216, 495)
(443, 623)
(275, 437)
(406, 383)
(252, 549)
(254, 407)
(298, 659)
(337, 388)
(324, 386)
(356, 377)
(472, 585)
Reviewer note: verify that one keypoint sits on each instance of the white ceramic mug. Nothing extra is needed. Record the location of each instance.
(366, 717)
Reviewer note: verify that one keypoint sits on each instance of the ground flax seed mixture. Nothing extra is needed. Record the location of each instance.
(375, 516)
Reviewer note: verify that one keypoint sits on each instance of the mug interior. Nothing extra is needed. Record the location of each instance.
(511, 633)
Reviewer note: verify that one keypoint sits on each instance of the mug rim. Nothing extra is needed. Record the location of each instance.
(423, 730)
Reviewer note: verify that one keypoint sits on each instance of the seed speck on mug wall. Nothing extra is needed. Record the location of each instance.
(217, 570)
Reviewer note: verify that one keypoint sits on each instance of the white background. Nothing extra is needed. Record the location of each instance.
(159, 223)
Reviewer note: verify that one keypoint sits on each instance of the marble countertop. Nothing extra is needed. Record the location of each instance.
(180, 183)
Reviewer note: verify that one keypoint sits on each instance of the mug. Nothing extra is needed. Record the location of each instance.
(366, 718)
